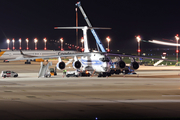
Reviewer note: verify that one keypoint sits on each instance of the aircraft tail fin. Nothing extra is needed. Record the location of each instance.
(21, 52)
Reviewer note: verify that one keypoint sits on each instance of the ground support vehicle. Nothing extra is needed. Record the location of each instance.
(78, 73)
(72, 74)
(53, 71)
(9, 74)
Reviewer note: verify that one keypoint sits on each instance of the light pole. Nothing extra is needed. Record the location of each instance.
(108, 40)
(138, 40)
(61, 44)
(177, 51)
(82, 41)
(45, 40)
(13, 43)
(20, 43)
(8, 41)
(27, 43)
(35, 41)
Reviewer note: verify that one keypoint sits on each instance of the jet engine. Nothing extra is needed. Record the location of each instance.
(76, 64)
(134, 66)
(122, 64)
(60, 65)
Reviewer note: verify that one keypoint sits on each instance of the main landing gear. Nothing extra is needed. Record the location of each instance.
(27, 62)
(104, 74)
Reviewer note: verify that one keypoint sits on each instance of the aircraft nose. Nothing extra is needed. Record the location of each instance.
(106, 66)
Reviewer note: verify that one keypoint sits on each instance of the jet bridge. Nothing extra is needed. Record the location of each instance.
(44, 70)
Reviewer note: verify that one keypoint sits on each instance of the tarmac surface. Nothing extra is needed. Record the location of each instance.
(152, 93)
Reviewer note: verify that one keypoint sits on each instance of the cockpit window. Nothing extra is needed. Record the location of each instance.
(105, 59)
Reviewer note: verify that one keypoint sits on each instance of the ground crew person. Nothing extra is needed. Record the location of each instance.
(64, 72)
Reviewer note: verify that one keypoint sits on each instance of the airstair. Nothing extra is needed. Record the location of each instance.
(160, 61)
(44, 70)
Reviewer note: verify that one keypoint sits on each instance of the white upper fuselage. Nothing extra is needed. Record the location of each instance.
(95, 62)
(16, 54)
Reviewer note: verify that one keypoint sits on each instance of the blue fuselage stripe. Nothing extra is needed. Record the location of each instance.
(91, 62)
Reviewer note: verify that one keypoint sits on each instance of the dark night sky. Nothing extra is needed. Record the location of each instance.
(127, 18)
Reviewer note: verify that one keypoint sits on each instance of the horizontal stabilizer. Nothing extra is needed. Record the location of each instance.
(85, 27)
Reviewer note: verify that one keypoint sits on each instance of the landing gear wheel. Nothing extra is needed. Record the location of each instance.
(100, 75)
(67, 75)
(108, 74)
(15, 75)
(27, 62)
(104, 74)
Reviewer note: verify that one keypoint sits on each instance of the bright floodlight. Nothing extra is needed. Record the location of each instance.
(138, 38)
(19, 39)
(45, 40)
(27, 40)
(13, 40)
(13, 43)
(35, 41)
(177, 37)
(61, 44)
(177, 51)
(27, 43)
(61, 39)
(20, 43)
(108, 39)
(82, 40)
(8, 41)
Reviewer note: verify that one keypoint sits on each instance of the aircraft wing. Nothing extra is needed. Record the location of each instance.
(48, 57)
(121, 55)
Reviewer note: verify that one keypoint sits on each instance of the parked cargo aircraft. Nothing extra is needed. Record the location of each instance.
(99, 62)
(16, 54)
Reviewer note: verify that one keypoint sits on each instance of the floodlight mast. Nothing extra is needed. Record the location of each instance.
(98, 41)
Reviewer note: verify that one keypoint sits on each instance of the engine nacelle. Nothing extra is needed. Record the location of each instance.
(122, 64)
(76, 64)
(60, 65)
(134, 66)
